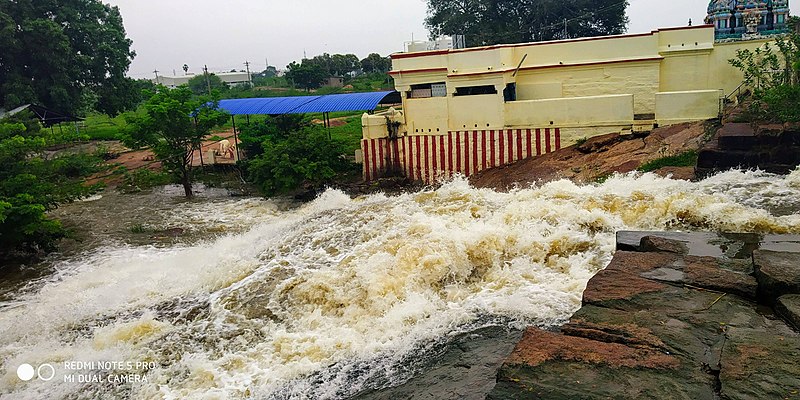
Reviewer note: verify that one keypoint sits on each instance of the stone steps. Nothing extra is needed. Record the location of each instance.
(773, 148)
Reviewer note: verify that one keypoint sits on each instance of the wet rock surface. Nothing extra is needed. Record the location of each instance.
(771, 147)
(463, 370)
(674, 315)
(599, 157)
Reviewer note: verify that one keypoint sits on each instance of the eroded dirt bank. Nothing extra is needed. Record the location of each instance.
(602, 156)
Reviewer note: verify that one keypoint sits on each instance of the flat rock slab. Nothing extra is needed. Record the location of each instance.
(737, 136)
(712, 244)
(788, 307)
(660, 322)
(760, 365)
(778, 273)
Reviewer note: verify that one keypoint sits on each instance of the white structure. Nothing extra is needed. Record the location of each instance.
(230, 78)
(443, 43)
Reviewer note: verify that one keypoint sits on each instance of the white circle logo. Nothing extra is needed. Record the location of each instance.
(46, 367)
(25, 372)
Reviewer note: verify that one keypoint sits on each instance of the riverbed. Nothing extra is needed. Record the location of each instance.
(223, 297)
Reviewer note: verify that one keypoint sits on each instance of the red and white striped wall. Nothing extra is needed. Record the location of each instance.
(432, 157)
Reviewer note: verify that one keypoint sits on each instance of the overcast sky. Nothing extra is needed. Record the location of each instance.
(225, 33)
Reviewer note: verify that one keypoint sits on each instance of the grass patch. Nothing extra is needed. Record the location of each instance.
(686, 159)
(138, 228)
(349, 133)
(102, 127)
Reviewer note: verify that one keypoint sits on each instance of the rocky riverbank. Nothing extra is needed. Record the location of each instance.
(600, 156)
(674, 315)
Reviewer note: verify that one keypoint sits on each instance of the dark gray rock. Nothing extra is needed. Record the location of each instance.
(788, 307)
(737, 136)
(760, 364)
(778, 273)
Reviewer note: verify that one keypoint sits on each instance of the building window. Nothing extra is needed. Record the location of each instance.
(475, 90)
(427, 90)
(780, 18)
(510, 92)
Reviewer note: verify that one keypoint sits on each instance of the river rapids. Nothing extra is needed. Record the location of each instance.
(340, 295)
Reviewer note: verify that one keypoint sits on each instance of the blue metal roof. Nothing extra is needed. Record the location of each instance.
(304, 104)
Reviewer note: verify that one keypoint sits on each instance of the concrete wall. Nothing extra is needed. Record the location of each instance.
(571, 112)
(675, 107)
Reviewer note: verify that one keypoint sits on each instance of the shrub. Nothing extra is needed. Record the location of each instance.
(31, 184)
(782, 103)
(685, 159)
(285, 161)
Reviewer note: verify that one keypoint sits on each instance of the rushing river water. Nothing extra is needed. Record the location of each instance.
(340, 295)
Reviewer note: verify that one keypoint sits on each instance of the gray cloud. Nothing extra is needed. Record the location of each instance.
(224, 34)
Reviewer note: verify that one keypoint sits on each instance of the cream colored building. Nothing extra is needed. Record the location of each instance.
(480, 107)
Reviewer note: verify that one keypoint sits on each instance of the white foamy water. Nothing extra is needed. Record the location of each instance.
(318, 301)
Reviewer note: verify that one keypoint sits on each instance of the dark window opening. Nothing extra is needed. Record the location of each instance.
(510, 92)
(475, 90)
(425, 90)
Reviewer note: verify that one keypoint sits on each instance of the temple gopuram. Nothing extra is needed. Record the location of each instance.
(745, 19)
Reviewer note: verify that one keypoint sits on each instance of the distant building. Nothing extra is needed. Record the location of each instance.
(737, 19)
(230, 78)
(334, 81)
(443, 43)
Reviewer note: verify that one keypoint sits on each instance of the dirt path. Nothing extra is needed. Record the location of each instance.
(133, 160)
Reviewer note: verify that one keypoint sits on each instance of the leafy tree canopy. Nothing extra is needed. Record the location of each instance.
(487, 22)
(173, 125)
(375, 63)
(61, 53)
(199, 86)
(307, 75)
(31, 183)
(283, 154)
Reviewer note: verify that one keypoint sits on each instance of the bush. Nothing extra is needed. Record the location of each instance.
(686, 159)
(30, 185)
(283, 160)
(782, 103)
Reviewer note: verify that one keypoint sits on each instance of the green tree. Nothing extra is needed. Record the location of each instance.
(771, 71)
(487, 22)
(306, 156)
(32, 184)
(173, 126)
(307, 75)
(199, 86)
(374, 63)
(344, 64)
(54, 52)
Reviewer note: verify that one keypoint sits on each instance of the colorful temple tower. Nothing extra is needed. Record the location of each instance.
(738, 19)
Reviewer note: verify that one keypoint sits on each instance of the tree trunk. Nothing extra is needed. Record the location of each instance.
(187, 185)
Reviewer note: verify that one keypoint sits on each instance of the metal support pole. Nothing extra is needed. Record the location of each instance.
(235, 138)
(327, 117)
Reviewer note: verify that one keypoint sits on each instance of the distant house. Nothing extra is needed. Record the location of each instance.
(334, 81)
(45, 115)
(230, 78)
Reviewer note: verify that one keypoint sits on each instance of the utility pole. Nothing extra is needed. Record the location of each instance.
(208, 82)
(565, 28)
(249, 77)
(155, 71)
